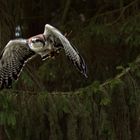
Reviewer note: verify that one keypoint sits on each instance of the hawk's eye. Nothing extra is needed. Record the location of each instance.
(38, 40)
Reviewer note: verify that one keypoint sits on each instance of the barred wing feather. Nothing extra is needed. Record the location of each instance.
(70, 51)
(13, 58)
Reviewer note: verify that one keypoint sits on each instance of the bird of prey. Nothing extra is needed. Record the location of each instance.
(17, 52)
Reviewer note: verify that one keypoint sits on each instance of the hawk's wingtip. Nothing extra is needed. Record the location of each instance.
(86, 76)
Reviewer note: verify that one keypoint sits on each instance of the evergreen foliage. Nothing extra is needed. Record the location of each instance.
(100, 111)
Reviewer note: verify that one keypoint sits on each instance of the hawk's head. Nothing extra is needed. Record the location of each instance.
(44, 46)
(37, 43)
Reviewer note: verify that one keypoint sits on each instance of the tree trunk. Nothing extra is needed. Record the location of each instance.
(2, 133)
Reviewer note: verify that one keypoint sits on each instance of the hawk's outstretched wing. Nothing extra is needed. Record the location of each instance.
(12, 60)
(70, 51)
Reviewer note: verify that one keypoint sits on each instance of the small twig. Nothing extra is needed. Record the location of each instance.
(123, 9)
(68, 34)
(114, 22)
(116, 10)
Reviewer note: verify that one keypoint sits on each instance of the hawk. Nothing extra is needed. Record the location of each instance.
(18, 51)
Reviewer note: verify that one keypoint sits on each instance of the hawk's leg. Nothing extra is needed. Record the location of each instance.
(44, 57)
(52, 54)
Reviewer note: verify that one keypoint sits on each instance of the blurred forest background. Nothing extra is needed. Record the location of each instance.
(51, 100)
